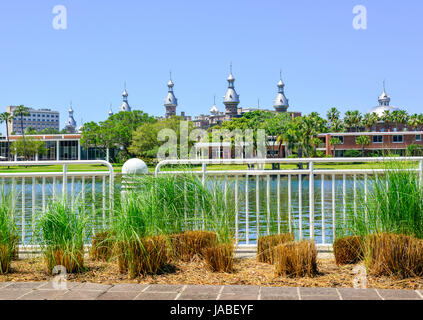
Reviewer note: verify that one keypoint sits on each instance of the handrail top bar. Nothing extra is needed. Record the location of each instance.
(53, 174)
(281, 160)
(283, 172)
(50, 162)
(62, 162)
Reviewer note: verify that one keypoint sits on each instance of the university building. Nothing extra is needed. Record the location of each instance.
(37, 119)
(385, 138)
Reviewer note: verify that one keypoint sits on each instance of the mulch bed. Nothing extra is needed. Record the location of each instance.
(247, 271)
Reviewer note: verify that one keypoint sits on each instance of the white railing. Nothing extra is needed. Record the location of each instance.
(34, 189)
(331, 207)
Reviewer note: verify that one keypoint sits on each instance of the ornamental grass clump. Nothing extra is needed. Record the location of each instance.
(267, 244)
(188, 244)
(62, 234)
(393, 204)
(159, 219)
(102, 246)
(296, 259)
(394, 255)
(348, 250)
(149, 212)
(220, 257)
(8, 233)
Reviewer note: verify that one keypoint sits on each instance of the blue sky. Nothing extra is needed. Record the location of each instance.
(325, 61)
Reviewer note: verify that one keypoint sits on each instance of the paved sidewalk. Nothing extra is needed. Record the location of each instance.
(94, 291)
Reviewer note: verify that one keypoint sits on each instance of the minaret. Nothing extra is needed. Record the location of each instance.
(125, 106)
(384, 99)
(231, 98)
(170, 101)
(281, 102)
(70, 124)
(110, 111)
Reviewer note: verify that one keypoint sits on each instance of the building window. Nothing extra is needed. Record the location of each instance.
(377, 139)
(397, 139)
(418, 137)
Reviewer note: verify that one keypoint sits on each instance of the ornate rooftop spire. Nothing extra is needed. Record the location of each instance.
(384, 99)
(281, 102)
(70, 124)
(125, 105)
(231, 98)
(170, 101)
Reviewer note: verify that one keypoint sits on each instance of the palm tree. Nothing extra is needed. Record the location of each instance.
(353, 119)
(337, 126)
(413, 121)
(399, 117)
(332, 115)
(334, 142)
(362, 141)
(386, 118)
(369, 120)
(6, 117)
(22, 111)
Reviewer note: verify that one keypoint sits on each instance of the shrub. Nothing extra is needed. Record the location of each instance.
(352, 153)
(348, 250)
(414, 150)
(102, 246)
(394, 255)
(62, 233)
(220, 257)
(296, 259)
(266, 245)
(9, 240)
(190, 243)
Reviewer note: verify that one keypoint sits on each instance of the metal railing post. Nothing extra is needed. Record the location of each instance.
(311, 199)
(421, 171)
(65, 182)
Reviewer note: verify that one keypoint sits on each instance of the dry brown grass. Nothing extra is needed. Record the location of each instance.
(220, 257)
(102, 247)
(188, 244)
(147, 256)
(296, 259)
(348, 250)
(5, 258)
(72, 260)
(266, 245)
(394, 255)
(246, 271)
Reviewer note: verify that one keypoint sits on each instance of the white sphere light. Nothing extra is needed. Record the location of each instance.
(134, 166)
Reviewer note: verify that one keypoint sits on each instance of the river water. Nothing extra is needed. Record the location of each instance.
(33, 207)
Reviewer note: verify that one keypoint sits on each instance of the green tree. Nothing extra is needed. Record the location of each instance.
(145, 143)
(26, 150)
(115, 132)
(362, 141)
(22, 111)
(276, 127)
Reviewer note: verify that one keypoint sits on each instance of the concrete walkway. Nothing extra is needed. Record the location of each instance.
(94, 291)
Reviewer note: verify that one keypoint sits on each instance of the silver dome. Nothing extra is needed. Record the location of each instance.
(231, 96)
(379, 110)
(170, 99)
